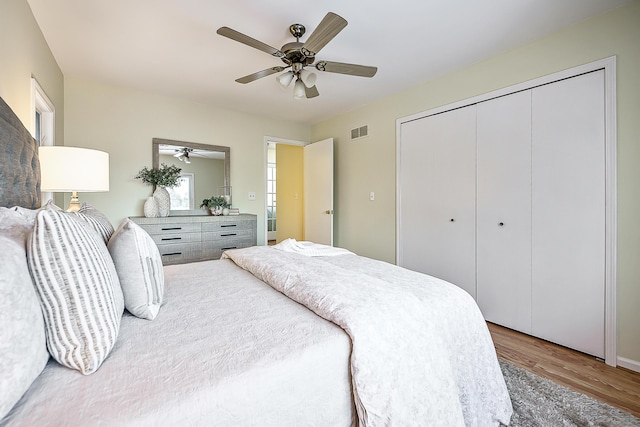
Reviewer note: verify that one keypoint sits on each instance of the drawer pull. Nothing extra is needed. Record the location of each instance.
(230, 247)
(171, 238)
(228, 234)
(229, 225)
(172, 253)
(171, 228)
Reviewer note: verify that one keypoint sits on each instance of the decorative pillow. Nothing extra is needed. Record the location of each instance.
(139, 266)
(79, 292)
(23, 348)
(97, 220)
(30, 214)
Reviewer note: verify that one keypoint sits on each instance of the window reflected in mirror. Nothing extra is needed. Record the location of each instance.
(183, 195)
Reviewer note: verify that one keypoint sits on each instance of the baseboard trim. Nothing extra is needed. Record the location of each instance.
(629, 364)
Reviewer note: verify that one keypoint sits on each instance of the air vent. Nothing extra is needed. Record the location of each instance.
(360, 132)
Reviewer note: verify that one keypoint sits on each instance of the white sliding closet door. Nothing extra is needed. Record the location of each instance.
(568, 217)
(504, 210)
(437, 197)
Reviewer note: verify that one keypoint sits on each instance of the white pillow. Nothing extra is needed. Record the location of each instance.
(23, 348)
(139, 266)
(97, 220)
(78, 287)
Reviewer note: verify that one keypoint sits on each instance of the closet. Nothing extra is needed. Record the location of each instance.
(506, 198)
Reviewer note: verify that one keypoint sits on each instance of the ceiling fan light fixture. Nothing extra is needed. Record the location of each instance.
(308, 78)
(298, 90)
(285, 79)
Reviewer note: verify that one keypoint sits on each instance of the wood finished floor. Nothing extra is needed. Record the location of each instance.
(618, 387)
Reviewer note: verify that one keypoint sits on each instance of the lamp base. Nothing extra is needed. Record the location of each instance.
(74, 204)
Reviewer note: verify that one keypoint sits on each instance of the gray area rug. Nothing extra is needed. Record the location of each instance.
(538, 401)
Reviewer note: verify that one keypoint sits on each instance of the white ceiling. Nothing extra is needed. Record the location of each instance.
(171, 46)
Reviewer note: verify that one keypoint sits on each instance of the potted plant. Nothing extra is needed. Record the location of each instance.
(161, 178)
(216, 204)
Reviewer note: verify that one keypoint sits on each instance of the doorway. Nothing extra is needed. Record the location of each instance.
(284, 214)
(299, 191)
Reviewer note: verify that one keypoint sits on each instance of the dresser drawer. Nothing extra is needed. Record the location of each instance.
(224, 235)
(168, 238)
(172, 228)
(178, 253)
(226, 225)
(213, 249)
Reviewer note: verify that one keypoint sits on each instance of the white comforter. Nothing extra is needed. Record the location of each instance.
(225, 350)
(421, 351)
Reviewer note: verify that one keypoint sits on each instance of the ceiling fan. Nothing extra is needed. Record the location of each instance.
(183, 154)
(297, 55)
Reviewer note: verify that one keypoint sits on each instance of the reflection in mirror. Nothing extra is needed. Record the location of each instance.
(205, 172)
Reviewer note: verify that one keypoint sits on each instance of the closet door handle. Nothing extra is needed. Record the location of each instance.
(452, 220)
(501, 224)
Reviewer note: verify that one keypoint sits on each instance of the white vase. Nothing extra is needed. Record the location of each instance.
(225, 211)
(216, 210)
(164, 201)
(151, 207)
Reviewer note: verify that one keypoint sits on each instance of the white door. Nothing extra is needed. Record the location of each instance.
(318, 192)
(568, 212)
(437, 169)
(504, 210)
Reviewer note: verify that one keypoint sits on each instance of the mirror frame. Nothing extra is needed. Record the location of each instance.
(155, 159)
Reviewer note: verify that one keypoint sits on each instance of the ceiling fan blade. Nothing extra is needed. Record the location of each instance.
(259, 75)
(311, 92)
(350, 69)
(328, 28)
(249, 41)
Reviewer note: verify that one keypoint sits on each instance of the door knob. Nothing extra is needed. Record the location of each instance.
(329, 211)
(501, 224)
(452, 220)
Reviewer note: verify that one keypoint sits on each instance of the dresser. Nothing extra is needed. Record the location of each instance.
(182, 239)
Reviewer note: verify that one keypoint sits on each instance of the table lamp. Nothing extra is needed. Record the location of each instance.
(73, 169)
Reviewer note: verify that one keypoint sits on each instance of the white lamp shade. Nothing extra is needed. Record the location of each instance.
(308, 78)
(298, 90)
(285, 79)
(73, 169)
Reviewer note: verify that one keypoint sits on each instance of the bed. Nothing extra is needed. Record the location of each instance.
(298, 335)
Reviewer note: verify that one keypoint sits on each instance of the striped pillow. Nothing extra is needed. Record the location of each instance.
(79, 292)
(139, 266)
(97, 220)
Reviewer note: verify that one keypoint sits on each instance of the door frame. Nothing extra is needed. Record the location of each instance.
(265, 159)
(609, 67)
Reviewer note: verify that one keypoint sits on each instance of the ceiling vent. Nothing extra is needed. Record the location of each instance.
(360, 132)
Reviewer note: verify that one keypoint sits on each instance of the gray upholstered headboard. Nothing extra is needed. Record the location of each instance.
(19, 165)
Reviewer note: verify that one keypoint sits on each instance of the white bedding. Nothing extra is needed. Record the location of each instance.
(225, 350)
(422, 353)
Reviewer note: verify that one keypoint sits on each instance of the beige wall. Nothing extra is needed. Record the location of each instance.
(24, 53)
(123, 123)
(368, 164)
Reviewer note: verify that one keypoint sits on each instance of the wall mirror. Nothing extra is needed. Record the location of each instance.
(205, 170)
